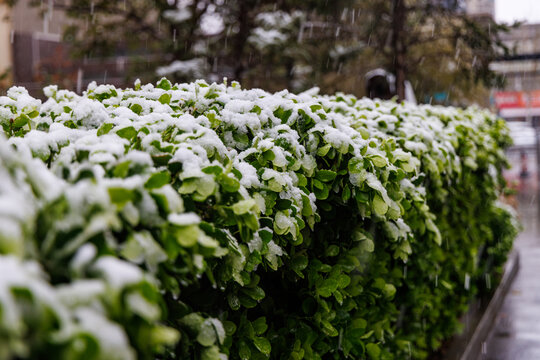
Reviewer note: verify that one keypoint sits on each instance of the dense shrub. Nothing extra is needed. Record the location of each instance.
(206, 221)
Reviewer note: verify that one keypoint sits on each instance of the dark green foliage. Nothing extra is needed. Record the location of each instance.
(267, 226)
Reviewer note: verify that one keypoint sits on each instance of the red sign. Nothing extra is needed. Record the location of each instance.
(534, 98)
(510, 99)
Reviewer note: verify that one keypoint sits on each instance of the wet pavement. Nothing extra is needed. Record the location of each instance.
(515, 334)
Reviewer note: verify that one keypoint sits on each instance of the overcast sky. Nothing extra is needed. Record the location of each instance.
(510, 10)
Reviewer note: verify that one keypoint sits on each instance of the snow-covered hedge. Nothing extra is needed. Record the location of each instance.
(207, 221)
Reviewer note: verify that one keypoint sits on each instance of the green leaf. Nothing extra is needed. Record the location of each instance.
(306, 206)
(367, 335)
(263, 345)
(343, 281)
(241, 138)
(121, 195)
(192, 321)
(230, 327)
(136, 108)
(204, 187)
(318, 184)
(121, 170)
(207, 335)
(283, 204)
(378, 160)
(302, 180)
(269, 155)
(243, 351)
(157, 180)
(346, 193)
(255, 293)
(259, 325)
(210, 332)
(327, 287)
(389, 290)
(322, 151)
(211, 353)
(362, 197)
(299, 263)
(446, 284)
(88, 347)
(332, 250)
(104, 129)
(243, 206)
(20, 121)
(187, 236)
(321, 194)
(328, 328)
(355, 165)
(430, 225)
(247, 302)
(233, 301)
(373, 351)
(325, 175)
(282, 114)
(164, 84)
(367, 245)
(358, 323)
(228, 183)
(379, 205)
(213, 169)
(161, 159)
(165, 98)
(128, 132)
(364, 133)
(70, 124)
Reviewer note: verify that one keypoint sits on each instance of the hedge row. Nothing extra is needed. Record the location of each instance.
(210, 222)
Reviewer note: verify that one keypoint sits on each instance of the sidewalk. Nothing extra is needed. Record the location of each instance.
(516, 331)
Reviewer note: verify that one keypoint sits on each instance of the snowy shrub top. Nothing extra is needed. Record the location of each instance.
(181, 220)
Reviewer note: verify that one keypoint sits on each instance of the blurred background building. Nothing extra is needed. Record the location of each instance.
(519, 100)
(38, 53)
(5, 47)
(35, 50)
(481, 8)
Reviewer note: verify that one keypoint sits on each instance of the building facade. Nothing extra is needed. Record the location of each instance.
(32, 47)
(6, 63)
(520, 98)
(481, 8)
